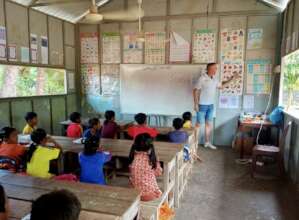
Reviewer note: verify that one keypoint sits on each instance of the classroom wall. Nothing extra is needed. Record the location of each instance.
(186, 16)
(20, 22)
(290, 43)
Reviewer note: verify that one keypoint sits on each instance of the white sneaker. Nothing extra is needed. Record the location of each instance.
(209, 145)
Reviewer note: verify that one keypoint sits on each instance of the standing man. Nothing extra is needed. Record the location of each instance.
(204, 94)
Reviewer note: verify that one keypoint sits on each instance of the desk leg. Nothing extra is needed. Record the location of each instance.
(166, 178)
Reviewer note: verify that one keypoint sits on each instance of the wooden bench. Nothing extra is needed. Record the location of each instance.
(98, 202)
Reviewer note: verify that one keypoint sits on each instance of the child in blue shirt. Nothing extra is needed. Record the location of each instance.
(178, 135)
(94, 129)
(92, 162)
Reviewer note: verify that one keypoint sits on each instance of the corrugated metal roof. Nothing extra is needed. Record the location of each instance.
(280, 4)
(70, 11)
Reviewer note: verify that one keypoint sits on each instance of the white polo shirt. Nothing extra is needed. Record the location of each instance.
(208, 88)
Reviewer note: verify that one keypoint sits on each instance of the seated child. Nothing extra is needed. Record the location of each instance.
(178, 136)
(142, 127)
(31, 119)
(39, 155)
(75, 130)
(92, 162)
(4, 209)
(93, 130)
(144, 167)
(10, 149)
(187, 117)
(58, 205)
(110, 127)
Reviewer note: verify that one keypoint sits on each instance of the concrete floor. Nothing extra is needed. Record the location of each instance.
(220, 189)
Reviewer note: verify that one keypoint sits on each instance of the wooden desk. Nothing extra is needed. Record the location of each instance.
(255, 124)
(101, 202)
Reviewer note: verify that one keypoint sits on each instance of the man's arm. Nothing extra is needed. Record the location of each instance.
(223, 83)
(196, 95)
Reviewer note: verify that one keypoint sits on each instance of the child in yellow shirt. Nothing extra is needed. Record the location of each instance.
(31, 119)
(187, 117)
(39, 155)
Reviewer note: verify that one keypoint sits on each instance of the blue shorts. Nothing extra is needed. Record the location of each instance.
(205, 114)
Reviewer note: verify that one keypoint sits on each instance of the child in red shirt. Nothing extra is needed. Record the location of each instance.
(10, 149)
(75, 130)
(142, 127)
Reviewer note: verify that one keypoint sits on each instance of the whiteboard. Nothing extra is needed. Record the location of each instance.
(157, 89)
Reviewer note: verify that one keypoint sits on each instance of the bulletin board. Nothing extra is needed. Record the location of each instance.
(132, 48)
(89, 47)
(55, 41)
(204, 46)
(111, 52)
(17, 30)
(38, 28)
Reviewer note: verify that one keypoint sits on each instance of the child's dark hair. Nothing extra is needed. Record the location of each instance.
(37, 137)
(187, 116)
(58, 205)
(75, 116)
(91, 145)
(6, 132)
(2, 199)
(30, 115)
(144, 143)
(93, 122)
(140, 118)
(177, 123)
(109, 115)
(210, 64)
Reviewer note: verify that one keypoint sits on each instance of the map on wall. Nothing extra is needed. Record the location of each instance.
(111, 47)
(228, 70)
(90, 79)
(232, 45)
(132, 49)
(204, 46)
(259, 76)
(89, 47)
(154, 50)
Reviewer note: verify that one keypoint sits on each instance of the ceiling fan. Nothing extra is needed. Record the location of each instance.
(130, 14)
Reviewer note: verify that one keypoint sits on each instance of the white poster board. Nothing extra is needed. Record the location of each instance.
(157, 89)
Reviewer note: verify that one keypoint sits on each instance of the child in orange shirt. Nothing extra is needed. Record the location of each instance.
(11, 152)
(144, 167)
(141, 127)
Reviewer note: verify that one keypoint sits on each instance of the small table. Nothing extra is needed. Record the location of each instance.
(255, 124)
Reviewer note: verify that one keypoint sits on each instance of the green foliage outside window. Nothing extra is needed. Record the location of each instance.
(21, 81)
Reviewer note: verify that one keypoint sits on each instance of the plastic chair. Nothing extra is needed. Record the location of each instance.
(275, 152)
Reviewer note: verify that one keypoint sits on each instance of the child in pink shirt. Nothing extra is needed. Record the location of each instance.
(74, 130)
(144, 167)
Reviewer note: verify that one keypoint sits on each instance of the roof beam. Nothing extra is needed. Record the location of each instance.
(42, 4)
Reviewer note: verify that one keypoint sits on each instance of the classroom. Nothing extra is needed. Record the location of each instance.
(149, 109)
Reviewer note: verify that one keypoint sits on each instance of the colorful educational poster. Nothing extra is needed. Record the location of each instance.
(258, 76)
(111, 47)
(110, 80)
(204, 46)
(25, 55)
(2, 43)
(232, 45)
(229, 101)
(34, 48)
(255, 38)
(89, 48)
(132, 49)
(248, 102)
(232, 71)
(154, 49)
(44, 50)
(12, 52)
(179, 48)
(90, 79)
